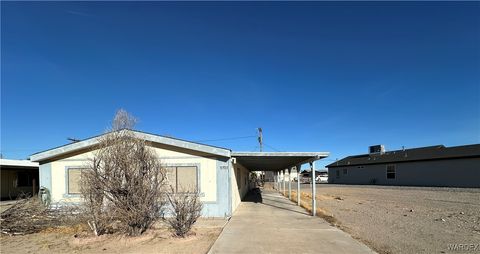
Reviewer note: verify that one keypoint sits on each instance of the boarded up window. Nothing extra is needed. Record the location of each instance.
(172, 177)
(183, 178)
(74, 175)
(391, 172)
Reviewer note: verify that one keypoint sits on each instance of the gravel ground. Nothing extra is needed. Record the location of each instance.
(393, 219)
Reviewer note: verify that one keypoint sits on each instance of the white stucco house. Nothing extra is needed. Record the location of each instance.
(219, 174)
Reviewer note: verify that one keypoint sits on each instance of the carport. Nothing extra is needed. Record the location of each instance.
(283, 163)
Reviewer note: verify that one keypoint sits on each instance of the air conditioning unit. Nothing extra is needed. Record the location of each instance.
(376, 149)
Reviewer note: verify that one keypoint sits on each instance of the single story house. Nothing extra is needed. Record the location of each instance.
(18, 177)
(321, 175)
(219, 174)
(457, 166)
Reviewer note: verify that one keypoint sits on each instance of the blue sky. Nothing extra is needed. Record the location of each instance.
(316, 76)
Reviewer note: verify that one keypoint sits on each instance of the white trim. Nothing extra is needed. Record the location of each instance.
(18, 163)
(317, 155)
(42, 156)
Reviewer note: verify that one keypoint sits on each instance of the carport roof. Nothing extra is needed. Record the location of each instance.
(274, 161)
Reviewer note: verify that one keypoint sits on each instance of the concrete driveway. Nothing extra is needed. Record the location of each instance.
(269, 223)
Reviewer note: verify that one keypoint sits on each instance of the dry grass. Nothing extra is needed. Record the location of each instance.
(306, 202)
(74, 229)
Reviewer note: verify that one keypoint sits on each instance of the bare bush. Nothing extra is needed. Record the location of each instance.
(185, 209)
(124, 181)
(30, 215)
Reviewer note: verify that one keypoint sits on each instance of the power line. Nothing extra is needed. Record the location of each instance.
(222, 139)
(271, 147)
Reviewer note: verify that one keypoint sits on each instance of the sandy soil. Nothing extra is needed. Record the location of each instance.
(157, 240)
(403, 219)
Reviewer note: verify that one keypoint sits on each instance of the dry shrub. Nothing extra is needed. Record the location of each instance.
(124, 182)
(185, 209)
(30, 215)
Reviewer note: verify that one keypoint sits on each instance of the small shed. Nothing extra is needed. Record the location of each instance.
(18, 177)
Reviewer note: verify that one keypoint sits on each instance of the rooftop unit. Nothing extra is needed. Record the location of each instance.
(376, 149)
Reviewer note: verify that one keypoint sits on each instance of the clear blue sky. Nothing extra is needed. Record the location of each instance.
(316, 76)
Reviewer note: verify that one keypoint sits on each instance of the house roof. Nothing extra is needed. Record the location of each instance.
(18, 163)
(437, 152)
(169, 141)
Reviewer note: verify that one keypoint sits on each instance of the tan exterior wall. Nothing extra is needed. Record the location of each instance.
(239, 184)
(207, 177)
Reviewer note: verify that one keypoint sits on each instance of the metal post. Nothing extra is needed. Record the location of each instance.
(314, 203)
(289, 183)
(284, 172)
(298, 185)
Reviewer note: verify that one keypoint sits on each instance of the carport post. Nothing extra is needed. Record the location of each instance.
(314, 205)
(274, 182)
(284, 189)
(289, 183)
(298, 184)
(278, 180)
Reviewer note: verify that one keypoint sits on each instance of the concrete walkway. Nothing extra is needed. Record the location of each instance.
(270, 223)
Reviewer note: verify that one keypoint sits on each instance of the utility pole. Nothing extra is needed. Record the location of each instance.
(260, 139)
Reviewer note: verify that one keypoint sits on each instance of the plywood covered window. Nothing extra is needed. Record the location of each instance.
(74, 178)
(183, 178)
(391, 172)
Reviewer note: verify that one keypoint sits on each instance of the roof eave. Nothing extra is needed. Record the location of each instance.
(85, 144)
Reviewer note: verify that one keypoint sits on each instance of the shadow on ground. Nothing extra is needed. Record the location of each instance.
(255, 196)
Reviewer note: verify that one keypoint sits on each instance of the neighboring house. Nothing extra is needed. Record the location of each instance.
(18, 177)
(220, 175)
(321, 175)
(457, 166)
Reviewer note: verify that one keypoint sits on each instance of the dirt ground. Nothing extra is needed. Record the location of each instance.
(4, 205)
(402, 219)
(157, 240)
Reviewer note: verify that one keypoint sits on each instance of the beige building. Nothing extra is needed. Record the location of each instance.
(219, 174)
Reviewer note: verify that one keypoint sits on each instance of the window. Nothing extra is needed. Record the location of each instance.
(337, 172)
(74, 177)
(24, 179)
(345, 171)
(182, 178)
(391, 172)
